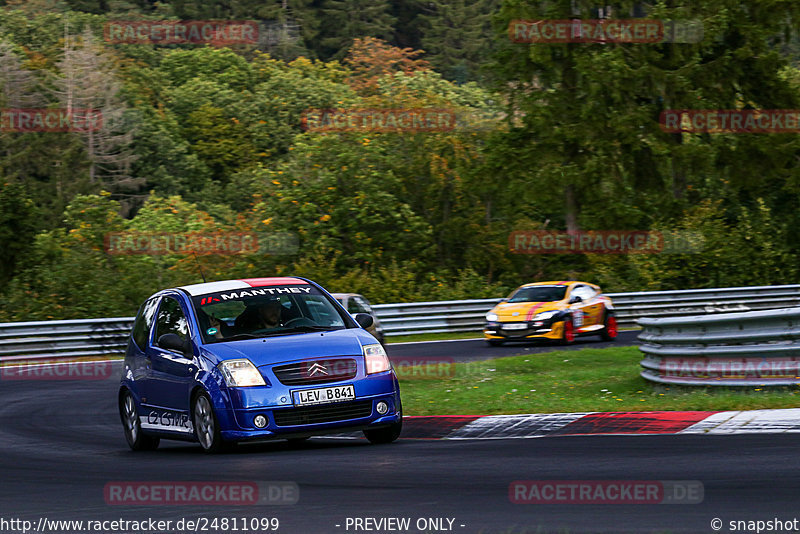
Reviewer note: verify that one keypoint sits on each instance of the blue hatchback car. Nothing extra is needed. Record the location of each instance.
(254, 359)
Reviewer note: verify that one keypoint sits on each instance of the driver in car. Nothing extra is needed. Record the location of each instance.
(263, 315)
(269, 314)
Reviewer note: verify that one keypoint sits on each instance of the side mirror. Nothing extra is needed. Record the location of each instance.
(503, 300)
(175, 343)
(575, 299)
(364, 319)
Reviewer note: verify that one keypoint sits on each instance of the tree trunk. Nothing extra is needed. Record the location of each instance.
(571, 205)
(677, 170)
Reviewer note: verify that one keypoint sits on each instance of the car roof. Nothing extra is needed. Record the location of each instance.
(244, 283)
(337, 296)
(560, 283)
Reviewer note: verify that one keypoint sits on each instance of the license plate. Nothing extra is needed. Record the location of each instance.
(515, 326)
(305, 397)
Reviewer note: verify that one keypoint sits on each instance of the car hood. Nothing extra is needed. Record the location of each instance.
(278, 349)
(524, 310)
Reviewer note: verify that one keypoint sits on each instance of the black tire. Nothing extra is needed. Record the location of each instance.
(137, 440)
(206, 425)
(610, 329)
(566, 338)
(495, 342)
(381, 436)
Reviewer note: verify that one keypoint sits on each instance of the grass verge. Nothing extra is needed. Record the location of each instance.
(602, 380)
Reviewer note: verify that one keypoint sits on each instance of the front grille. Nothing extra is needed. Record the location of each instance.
(316, 372)
(517, 332)
(327, 413)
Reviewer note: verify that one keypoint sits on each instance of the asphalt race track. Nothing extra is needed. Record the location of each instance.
(477, 349)
(61, 443)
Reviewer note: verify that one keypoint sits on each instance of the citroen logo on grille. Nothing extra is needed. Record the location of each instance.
(317, 368)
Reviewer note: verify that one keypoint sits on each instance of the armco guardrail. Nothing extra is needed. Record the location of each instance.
(433, 317)
(468, 315)
(100, 337)
(64, 339)
(729, 349)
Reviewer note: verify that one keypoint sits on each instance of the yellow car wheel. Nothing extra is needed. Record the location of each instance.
(568, 332)
(609, 333)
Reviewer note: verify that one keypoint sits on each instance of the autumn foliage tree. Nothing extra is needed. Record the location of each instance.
(568, 137)
(370, 59)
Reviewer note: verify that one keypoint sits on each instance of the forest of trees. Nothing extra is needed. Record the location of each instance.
(201, 138)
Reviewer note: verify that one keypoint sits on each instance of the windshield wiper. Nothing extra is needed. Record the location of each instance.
(295, 330)
(284, 332)
(238, 337)
(310, 328)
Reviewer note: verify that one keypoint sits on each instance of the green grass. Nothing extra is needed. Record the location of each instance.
(433, 337)
(604, 380)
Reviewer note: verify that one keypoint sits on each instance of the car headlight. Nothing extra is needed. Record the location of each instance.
(545, 315)
(491, 317)
(241, 373)
(376, 359)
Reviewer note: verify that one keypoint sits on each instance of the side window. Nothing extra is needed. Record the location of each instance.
(144, 322)
(353, 306)
(171, 319)
(584, 292)
(364, 305)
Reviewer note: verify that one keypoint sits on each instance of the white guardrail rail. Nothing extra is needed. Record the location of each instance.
(102, 337)
(728, 349)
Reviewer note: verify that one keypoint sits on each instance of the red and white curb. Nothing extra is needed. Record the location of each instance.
(748, 422)
(456, 427)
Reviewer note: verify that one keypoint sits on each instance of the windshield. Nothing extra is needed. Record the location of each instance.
(538, 294)
(265, 312)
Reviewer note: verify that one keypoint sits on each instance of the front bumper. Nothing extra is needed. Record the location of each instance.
(284, 420)
(526, 330)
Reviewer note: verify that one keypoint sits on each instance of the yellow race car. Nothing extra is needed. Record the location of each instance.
(551, 310)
